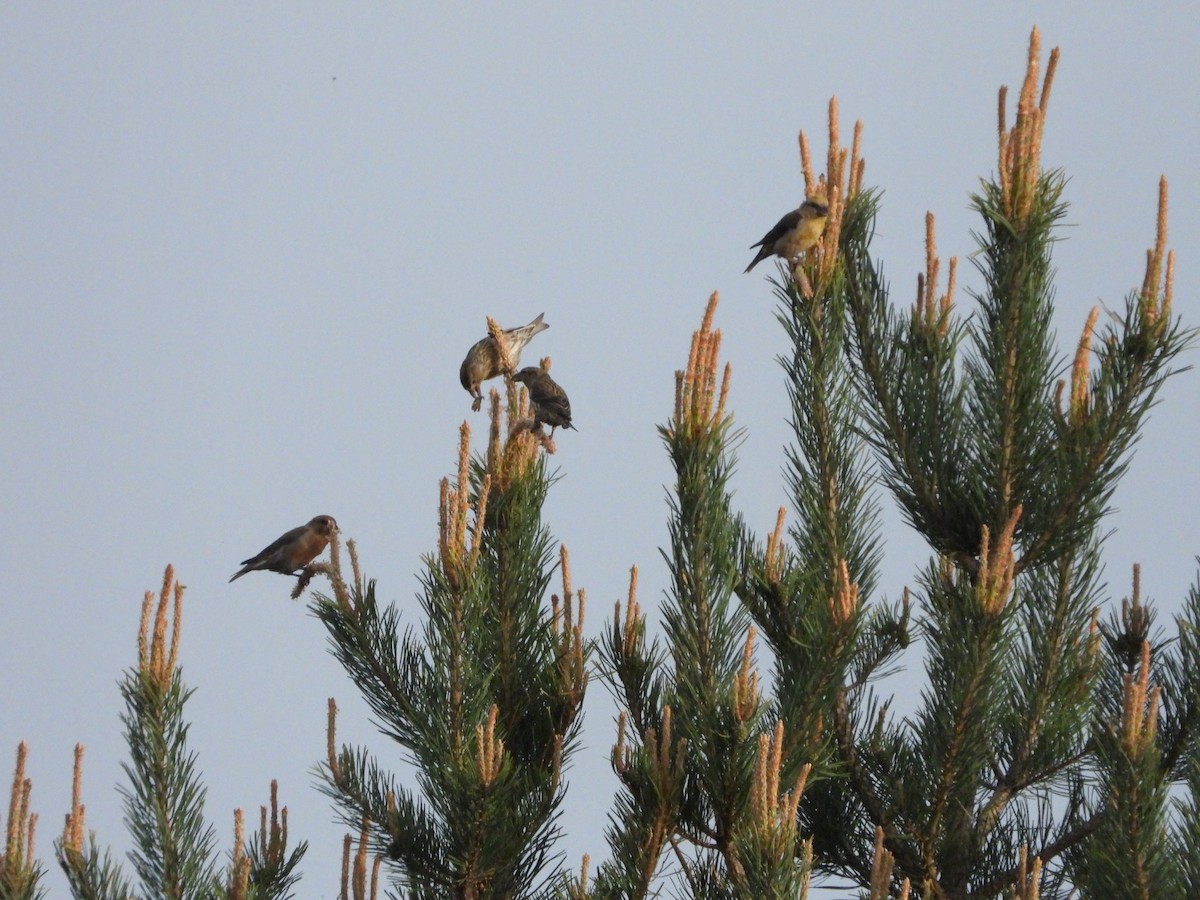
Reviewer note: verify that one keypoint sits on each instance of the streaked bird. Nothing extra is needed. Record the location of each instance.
(793, 234)
(483, 359)
(548, 400)
(293, 550)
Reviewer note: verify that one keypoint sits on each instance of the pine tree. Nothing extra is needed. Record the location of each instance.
(174, 853)
(1047, 740)
(484, 702)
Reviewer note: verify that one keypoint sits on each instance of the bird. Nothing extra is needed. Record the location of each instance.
(292, 550)
(483, 359)
(793, 234)
(548, 400)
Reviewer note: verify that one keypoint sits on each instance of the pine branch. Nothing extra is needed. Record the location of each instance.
(913, 403)
(632, 669)
(879, 813)
(1179, 672)
(1187, 833)
(92, 874)
(1009, 369)
(648, 814)
(271, 871)
(20, 870)
(164, 801)
(1049, 673)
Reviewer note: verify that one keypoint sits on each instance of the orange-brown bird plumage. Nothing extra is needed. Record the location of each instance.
(793, 234)
(548, 401)
(483, 359)
(293, 550)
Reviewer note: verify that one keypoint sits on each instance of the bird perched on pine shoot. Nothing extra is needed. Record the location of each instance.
(483, 359)
(293, 550)
(793, 234)
(547, 399)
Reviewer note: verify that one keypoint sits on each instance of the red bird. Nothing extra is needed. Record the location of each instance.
(293, 550)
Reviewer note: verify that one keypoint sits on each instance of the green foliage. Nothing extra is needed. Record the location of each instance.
(483, 701)
(20, 871)
(92, 873)
(174, 853)
(1037, 735)
(164, 801)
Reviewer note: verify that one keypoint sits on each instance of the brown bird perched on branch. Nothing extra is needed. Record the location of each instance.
(483, 359)
(793, 234)
(548, 400)
(293, 550)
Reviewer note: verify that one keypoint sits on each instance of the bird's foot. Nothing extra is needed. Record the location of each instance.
(302, 580)
(800, 279)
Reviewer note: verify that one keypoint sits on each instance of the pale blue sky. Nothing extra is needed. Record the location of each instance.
(246, 249)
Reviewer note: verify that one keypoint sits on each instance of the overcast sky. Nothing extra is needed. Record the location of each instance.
(246, 246)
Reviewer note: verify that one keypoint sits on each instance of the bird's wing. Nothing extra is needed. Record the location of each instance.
(552, 399)
(275, 546)
(560, 406)
(519, 337)
(546, 389)
(782, 227)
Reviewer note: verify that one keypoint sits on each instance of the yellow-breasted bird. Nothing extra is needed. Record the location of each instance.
(293, 550)
(483, 359)
(548, 401)
(793, 234)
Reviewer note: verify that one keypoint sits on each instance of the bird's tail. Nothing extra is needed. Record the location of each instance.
(519, 337)
(762, 254)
